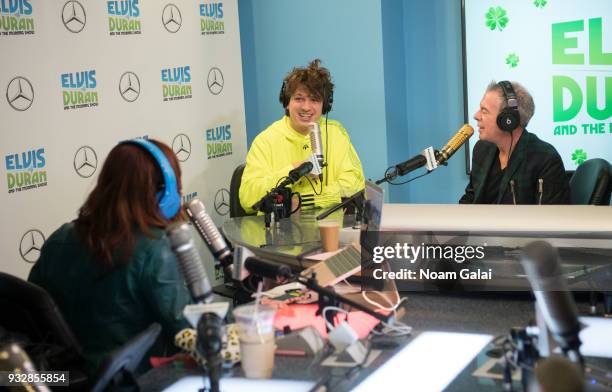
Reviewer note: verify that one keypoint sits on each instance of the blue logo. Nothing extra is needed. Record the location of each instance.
(123, 17)
(79, 89)
(16, 17)
(219, 141)
(211, 18)
(176, 83)
(23, 170)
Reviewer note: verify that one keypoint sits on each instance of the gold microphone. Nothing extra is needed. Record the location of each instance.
(453, 145)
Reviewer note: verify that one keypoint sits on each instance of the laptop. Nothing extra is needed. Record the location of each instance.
(347, 261)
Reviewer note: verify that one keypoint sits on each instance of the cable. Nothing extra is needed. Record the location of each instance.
(398, 328)
(325, 164)
(337, 309)
(313, 188)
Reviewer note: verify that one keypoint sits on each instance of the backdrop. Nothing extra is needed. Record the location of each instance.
(561, 51)
(81, 75)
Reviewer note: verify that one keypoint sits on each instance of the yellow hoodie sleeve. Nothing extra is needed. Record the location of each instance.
(258, 178)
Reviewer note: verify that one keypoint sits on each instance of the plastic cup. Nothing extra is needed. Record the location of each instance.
(256, 335)
(329, 231)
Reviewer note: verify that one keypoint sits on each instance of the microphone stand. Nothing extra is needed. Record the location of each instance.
(275, 205)
(328, 297)
(428, 158)
(356, 199)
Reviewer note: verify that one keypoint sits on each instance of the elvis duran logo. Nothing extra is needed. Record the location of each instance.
(79, 89)
(218, 141)
(123, 17)
(211, 18)
(16, 17)
(25, 171)
(176, 83)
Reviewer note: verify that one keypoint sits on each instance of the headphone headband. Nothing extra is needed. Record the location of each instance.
(327, 100)
(168, 198)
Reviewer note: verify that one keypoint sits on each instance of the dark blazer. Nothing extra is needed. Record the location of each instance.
(532, 160)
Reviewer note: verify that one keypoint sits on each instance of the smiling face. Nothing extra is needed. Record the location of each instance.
(486, 117)
(304, 108)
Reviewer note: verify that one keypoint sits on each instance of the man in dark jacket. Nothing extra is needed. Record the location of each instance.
(509, 164)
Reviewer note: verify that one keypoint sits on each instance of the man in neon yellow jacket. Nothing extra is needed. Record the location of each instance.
(306, 94)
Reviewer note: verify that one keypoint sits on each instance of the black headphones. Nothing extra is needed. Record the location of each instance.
(508, 119)
(327, 101)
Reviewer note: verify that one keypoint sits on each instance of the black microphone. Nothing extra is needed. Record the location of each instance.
(299, 172)
(317, 146)
(209, 344)
(454, 143)
(541, 264)
(208, 231)
(294, 175)
(189, 261)
(279, 272)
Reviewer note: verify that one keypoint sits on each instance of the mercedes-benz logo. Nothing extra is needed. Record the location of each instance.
(171, 18)
(215, 81)
(222, 201)
(129, 86)
(30, 245)
(20, 93)
(85, 161)
(181, 145)
(73, 16)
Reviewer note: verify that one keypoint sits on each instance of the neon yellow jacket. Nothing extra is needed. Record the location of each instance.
(274, 150)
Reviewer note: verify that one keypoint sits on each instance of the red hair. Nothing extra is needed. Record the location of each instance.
(124, 201)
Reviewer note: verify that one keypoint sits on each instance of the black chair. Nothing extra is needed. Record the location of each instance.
(236, 209)
(592, 183)
(30, 318)
(116, 373)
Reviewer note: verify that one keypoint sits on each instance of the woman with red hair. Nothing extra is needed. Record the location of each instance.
(111, 271)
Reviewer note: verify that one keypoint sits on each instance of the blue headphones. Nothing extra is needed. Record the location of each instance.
(168, 198)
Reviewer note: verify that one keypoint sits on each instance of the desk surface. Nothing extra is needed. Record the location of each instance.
(493, 314)
(498, 218)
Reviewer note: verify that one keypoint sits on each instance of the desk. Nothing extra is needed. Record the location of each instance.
(583, 234)
(425, 312)
(565, 225)
(289, 242)
(489, 313)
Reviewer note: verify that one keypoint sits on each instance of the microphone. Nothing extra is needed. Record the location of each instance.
(208, 231)
(209, 344)
(454, 143)
(189, 261)
(295, 174)
(245, 263)
(279, 272)
(317, 146)
(541, 264)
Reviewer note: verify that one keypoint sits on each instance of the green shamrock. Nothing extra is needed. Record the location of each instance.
(512, 60)
(496, 18)
(579, 156)
(540, 3)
